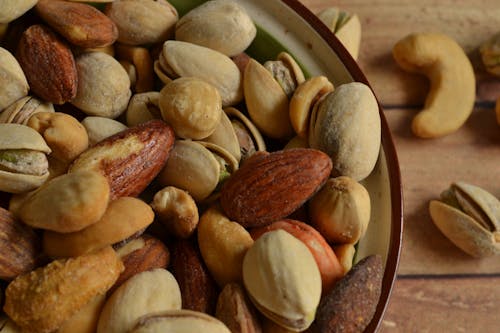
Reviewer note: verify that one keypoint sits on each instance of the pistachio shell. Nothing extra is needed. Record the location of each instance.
(249, 138)
(12, 80)
(100, 128)
(14, 136)
(21, 111)
(266, 101)
(12, 9)
(293, 66)
(464, 231)
(225, 137)
(347, 128)
(143, 107)
(222, 25)
(283, 280)
(183, 59)
(191, 167)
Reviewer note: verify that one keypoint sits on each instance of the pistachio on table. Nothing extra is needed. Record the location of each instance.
(470, 217)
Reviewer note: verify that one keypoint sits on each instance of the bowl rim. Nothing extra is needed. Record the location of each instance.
(396, 190)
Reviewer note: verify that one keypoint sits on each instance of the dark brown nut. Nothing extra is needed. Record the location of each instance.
(236, 311)
(48, 64)
(20, 247)
(81, 24)
(131, 159)
(44, 299)
(141, 254)
(351, 304)
(198, 289)
(262, 190)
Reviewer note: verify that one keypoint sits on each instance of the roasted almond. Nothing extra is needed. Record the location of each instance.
(81, 24)
(129, 159)
(48, 64)
(268, 187)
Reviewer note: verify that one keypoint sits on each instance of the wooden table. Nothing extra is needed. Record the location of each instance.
(439, 288)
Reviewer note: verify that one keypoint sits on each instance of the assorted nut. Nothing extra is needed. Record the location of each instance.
(145, 199)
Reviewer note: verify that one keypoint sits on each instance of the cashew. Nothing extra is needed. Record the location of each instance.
(451, 97)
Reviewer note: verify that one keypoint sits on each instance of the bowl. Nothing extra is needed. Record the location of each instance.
(287, 25)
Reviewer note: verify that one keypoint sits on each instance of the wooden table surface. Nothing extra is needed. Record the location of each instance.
(439, 288)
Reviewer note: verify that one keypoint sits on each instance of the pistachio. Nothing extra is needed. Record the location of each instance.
(21, 111)
(12, 9)
(100, 128)
(340, 211)
(225, 137)
(12, 80)
(470, 217)
(23, 161)
(490, 54)
(222, 25)
(286, 71)
(283, 280)
(249, 138)
(142, 22)
(143, 107)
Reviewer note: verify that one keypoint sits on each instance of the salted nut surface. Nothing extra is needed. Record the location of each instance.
(154, 176)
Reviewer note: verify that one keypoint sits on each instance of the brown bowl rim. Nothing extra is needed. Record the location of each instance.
(391, 158)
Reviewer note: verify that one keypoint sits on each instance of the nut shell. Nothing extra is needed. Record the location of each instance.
(12, 80)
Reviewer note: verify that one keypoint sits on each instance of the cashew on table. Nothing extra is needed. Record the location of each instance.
(452, 93)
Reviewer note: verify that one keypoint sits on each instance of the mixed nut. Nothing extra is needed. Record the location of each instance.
(103, 112)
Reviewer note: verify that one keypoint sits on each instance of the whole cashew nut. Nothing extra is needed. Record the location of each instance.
(453, 86)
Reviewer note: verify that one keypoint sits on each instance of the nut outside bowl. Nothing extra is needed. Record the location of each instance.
(319, 52)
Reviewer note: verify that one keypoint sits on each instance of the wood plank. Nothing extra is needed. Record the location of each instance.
(428, 167)
(384, 22)
(443, 305)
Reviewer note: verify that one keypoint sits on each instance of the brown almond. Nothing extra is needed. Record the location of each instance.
(20, 246)
(81, 24)
(236, 311)
(351, 304)
(141, 254)
(48, 64)
(130, 159)
(198, 289)
(269, 187)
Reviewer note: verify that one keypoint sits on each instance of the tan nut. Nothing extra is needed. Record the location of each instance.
(177, 210)
(140, 58)
(224, 136)
(21, 111)
(453, 84)
(286, 72)
(100, 128)
(103, 85)
(345, 253)
(85, 320)
(12, 80)
(490, 54)
(12, 9)
(143, 107)
(142, 22)
(65, 135)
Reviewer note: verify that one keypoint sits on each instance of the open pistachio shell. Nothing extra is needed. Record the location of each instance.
(225, 137)
(21, 111)
(182, 59)
(249, 138)
(266, 101)
(143, 107)
(12, 80)
(191, 167)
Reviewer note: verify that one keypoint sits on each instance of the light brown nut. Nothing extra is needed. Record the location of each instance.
(223, 245)
(340, 211)
(261, 191)
(143, 294)
(176, 210)
(85, 320)
(249, 138)
(269, 326)
(497, 110)
(224, 136)
(21, 111)
(100, 128)
(140, 58)
(12, 79)
(142, 22)
(180, 107)
(345, 253)
(130, 159)
(12, 9)
(48, 64)
(221, 25)
(67, 203)
(123, 218)
(346, 126)
(179, 321)
(81, 24)
(139, 255)
(3, 30)
(20, 246)
(65, 136)
(198, 289)
(143, 107)
(236, 311)
(44, 299)
(283, 280)
(23, 161)
(351, 304)
(103, 85)
(296, 142)
(286, 72)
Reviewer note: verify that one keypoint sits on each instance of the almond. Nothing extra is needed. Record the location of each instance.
(131, 159)
(81, 24)
(268, 187)
(48, 64)
(198, 289)
(20, 246)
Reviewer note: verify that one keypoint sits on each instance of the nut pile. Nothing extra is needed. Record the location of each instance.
(143, 197)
